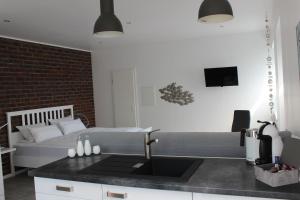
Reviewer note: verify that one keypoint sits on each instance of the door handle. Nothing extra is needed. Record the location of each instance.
(64, 189)
(117, 195)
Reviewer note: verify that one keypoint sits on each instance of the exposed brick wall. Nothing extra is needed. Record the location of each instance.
(36, 76)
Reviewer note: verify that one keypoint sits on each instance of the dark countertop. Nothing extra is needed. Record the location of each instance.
(214, 176)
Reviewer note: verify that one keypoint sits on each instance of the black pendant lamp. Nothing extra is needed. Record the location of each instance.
(108, 25)
(215, 11)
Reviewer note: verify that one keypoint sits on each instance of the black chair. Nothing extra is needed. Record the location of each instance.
(241, 122)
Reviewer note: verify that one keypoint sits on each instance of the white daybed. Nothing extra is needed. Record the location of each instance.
(34, 155)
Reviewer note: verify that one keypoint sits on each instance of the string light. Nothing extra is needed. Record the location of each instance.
(269, 64)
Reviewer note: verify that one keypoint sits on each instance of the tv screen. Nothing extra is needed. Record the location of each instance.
(220, 77)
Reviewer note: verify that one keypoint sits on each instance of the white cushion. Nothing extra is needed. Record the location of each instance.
(124, 129)
(149, 129)
(68, 127)
(25, 142)
(25, 131)
(56, 121)
(41, 134)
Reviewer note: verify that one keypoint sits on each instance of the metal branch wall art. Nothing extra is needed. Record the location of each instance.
(175, 94)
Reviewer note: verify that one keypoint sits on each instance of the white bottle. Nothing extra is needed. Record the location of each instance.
(87, 146)
(80, 149)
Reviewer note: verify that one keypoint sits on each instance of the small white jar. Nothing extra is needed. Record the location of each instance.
(71, 153)
(96, 150)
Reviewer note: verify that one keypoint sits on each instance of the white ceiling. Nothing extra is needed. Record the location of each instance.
(70, 22)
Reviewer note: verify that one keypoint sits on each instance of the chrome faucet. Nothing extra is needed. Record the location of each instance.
(148, 143)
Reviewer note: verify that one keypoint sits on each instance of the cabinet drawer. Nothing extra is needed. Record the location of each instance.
(200, 196)
(52, 197)
(64, 188)
(129, 193)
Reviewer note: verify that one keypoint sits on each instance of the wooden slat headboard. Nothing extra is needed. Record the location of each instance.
(36, 116)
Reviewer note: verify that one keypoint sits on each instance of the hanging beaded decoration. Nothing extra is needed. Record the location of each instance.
(269, 63)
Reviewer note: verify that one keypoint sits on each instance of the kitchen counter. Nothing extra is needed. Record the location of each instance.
(214, 176)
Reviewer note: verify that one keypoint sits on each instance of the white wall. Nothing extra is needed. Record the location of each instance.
(183, 62)
(287, 12)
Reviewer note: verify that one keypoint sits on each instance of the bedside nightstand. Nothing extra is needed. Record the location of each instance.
(3, 151)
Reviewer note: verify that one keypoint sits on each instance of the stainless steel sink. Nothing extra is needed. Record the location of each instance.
(157, 168)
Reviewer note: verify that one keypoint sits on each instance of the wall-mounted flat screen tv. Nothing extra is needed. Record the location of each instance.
(220, 77)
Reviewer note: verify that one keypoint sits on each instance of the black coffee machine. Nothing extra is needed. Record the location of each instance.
(265, 146)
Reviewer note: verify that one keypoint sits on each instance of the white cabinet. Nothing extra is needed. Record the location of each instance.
(53, 197)
(47, 189)
(53, 189)
(129, 193)
(201, 196)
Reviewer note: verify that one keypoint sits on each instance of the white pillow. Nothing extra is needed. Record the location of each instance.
(41, 134)
(56, 121)
(25, 131)
(71, 126)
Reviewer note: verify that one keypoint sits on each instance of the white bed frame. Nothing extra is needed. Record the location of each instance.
(31, 117)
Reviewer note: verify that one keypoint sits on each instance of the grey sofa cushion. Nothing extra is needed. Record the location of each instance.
(173, 143)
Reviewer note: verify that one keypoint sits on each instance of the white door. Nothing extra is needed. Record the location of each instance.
(124, 97)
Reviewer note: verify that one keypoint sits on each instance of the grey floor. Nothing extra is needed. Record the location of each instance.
(20, 187)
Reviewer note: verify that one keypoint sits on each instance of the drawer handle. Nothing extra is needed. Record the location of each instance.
(117, 195)
(64, 189)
